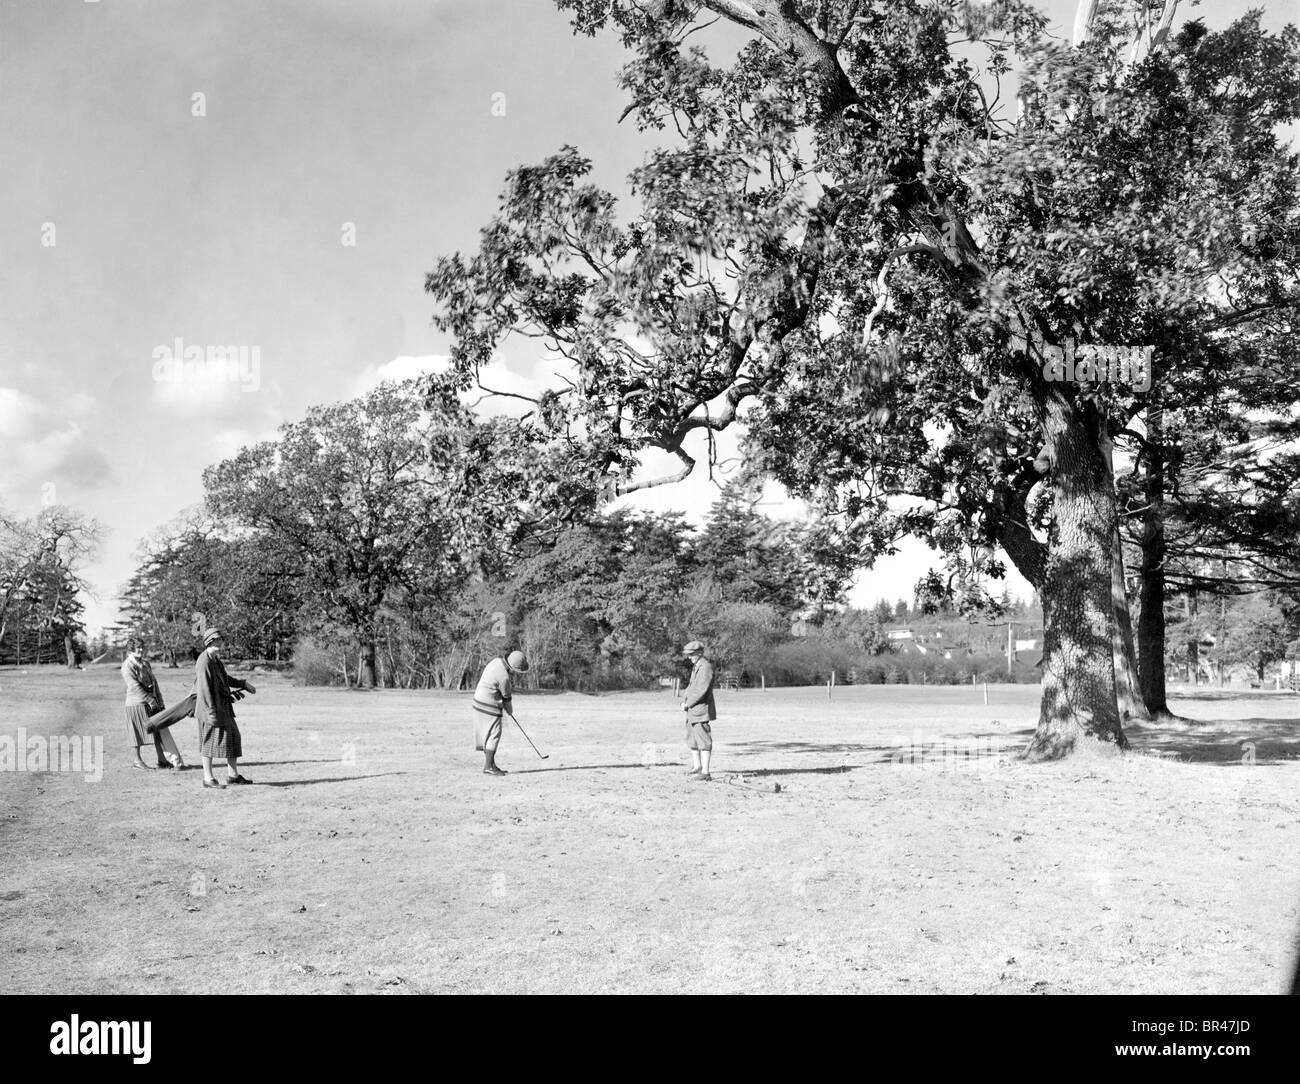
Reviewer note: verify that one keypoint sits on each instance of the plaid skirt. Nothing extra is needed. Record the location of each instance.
(137, 718)
(220, 741)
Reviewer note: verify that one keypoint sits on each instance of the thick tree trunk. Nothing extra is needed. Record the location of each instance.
(369, 669)
(1151, 600)
(69, 651)
(1078, 705)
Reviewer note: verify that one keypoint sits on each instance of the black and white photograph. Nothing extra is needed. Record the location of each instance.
(651, 497)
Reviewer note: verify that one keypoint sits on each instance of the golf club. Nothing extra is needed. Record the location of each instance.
(522, 731)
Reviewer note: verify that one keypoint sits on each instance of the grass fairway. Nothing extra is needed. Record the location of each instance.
(373, 856)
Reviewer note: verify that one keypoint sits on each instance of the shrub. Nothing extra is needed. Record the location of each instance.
(314, 664)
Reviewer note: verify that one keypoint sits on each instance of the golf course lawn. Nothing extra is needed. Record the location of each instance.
(907, 849)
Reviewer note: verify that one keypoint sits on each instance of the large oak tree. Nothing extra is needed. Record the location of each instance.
(850, 242)
(362, 496)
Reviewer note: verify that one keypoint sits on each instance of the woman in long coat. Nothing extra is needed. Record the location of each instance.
(214, 709)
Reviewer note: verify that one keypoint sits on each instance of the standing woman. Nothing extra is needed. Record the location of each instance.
(491, 698)
(214, 710)
(143, 699)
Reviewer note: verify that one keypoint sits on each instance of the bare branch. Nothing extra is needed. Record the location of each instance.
(1083, 19)
(681, 475)
(882, 285)
(1162, 29)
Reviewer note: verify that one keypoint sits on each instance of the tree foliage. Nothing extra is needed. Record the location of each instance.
(363, 498)
(847, 237)
(195, 573)
(40, 582)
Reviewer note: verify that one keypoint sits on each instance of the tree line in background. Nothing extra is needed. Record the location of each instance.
(348, 546)
(602, 604)
(41, 612)
(345, 547)
(337, 548)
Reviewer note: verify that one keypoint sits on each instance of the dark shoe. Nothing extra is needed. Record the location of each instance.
(212, 784)
(237, 781)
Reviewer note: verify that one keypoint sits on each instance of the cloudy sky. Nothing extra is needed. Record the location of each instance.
(188, 170)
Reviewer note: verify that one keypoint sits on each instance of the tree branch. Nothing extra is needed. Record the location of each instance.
(681, 475)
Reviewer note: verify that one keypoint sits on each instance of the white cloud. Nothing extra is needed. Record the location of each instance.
(19, 414)
(402, 367)
(500, 375)
(226, 443)
(44, 444)
(189, 378)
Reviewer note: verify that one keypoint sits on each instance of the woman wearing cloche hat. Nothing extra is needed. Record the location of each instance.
(491, 698)
(214, 710)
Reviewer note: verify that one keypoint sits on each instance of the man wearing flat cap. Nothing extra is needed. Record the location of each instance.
(697, 702)
(216, 691)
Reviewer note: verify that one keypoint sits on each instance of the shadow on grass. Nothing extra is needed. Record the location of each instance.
(753, 747)
(1012, 738)
(589, 768)
(746, 772)
(989, 745)
(312, 782)
(759, 773)
(1234, 694)
(274, 763)
(1222, 741)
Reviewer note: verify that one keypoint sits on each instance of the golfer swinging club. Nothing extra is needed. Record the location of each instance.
(491, 698)
(697, 702)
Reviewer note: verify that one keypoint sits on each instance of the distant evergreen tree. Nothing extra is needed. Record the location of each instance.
(40, 605)
(750, 557)
(191, 576)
